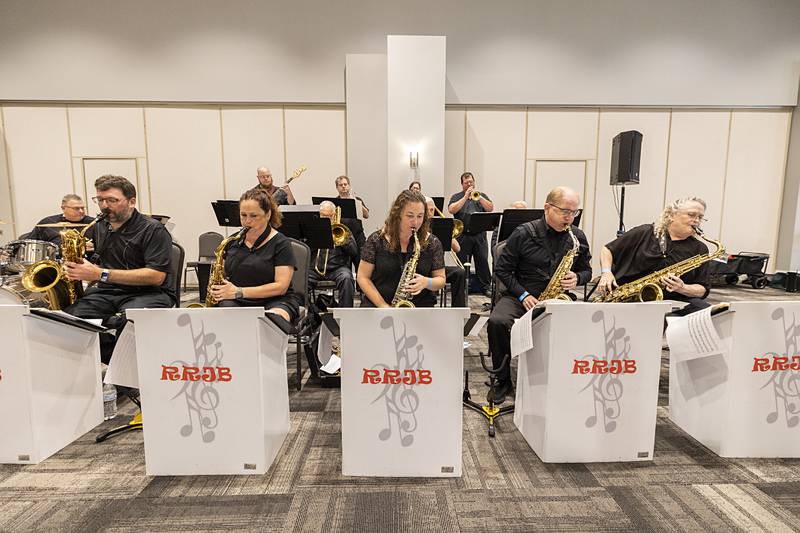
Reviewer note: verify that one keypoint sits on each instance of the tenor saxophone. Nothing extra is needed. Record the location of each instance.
(554, 290)
(648, 288)
(217, 275)
(402, 297)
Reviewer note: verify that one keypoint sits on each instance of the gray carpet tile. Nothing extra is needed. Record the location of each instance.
(504, 486)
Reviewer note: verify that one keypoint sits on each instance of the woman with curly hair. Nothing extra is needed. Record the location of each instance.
(650, 247)
(387, 250)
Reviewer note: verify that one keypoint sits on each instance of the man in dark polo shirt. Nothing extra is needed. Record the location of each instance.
(531, 254)
(131, 263)
(281, 195)
(461, 206)
(73, 209)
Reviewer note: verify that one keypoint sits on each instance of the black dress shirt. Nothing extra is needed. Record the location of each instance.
(533, 252)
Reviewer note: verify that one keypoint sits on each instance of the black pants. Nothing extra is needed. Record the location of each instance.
(457, 278)
(476, 247)
(345, 286)
(505, 311)
(107, 303)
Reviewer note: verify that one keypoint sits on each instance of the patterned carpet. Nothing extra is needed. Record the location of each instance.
(103, 487)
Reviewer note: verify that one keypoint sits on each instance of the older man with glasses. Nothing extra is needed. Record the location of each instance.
(73, 210)
(531, 255)
(650, 247)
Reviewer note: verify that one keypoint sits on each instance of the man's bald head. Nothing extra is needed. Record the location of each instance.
(519, 204)
(562, 193)
(327, 209)
(264, 175)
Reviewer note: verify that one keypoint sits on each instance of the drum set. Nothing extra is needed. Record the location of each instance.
(16, 257)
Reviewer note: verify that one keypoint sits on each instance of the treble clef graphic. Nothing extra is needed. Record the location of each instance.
(786, 383)
(400, 398)
(607, 388)
(202, 399)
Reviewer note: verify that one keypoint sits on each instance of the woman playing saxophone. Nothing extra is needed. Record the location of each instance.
(651, 247)
(387, 252)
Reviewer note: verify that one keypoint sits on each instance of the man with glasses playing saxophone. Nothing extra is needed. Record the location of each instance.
(532, 253)
(651, 247)
(131, 264)
(334, 264)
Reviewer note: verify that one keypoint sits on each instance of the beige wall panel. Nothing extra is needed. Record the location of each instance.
(251, 138)
(143, 188)
(551, 174)
(496, 154)
(753, 185)
(698, 147)
(6, 212)
(643, 202)
(185, 165)
(38, 159)
(562, 134)
(314, 138)
(107, 131)
(91, 169)
(454, 138)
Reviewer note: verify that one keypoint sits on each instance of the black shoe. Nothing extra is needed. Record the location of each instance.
(501, 390)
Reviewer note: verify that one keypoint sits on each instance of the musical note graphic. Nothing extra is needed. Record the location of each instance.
(607, 388)
(400, 399)
(785, 383)
(202, 399)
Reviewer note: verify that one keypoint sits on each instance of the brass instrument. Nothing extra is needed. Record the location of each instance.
(217, 275)
(340, 233)
(47, 276)
(475, 196)
(648, 288)
(554, 290)
(458, 229)
(402, 297)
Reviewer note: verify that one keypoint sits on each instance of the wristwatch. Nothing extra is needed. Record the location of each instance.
(239, 293)
(104, 275)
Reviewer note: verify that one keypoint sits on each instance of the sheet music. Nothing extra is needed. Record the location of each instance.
(694, 336)
(522, 334)
(122, 369)
(478, 326)
(333, 365)
(93, 321)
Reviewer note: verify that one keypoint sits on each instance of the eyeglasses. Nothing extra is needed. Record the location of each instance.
(109, 200)
(564, 211)
(698, 216)
(78, 208)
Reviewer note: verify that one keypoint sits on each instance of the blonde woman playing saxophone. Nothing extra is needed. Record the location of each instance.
(388, 250)
(651, 247)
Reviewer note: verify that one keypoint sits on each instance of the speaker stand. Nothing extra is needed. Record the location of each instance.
(621, 230)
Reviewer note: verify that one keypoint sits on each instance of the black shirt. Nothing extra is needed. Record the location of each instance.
(141, 242)
(388, 265)
(278, 194)
(533, 252)
(638, 253)
(469, 207)
(251, 267)
(54, 234)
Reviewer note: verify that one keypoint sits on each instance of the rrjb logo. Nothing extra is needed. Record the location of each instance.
(373, 376)
(208, 374)
(601, 366)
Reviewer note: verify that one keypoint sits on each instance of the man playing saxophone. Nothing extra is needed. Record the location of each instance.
(531, 255)
(335, 264)
(651, 247)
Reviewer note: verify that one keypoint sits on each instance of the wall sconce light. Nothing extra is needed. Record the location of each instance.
(413, 160)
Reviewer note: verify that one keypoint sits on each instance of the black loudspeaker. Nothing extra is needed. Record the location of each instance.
(626, 151)
(791, 282)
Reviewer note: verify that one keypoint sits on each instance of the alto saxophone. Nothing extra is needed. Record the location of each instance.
(554, 290)
(648, 288)
(402, 297)
(217, 275)
(47, 276)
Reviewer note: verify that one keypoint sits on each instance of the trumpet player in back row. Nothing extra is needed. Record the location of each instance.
(334, 264)
(402, 264)
(259, 263)
(461, 206)
(648, 248)
(541, 259)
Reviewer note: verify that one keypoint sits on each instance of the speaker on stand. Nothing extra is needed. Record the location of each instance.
(626, 152)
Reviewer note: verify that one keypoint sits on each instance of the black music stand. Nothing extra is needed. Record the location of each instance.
(294, 217)
(348, 205)
(516, 217)
(438, 201)
(480, 222)
(227, 213)
(443, 229)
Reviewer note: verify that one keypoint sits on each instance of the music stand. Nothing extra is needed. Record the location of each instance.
(348, 205)
(515, 217)
(443, 229)
(316, 232)
(227, 213)
(294, 218)
(479, 222)
(438, 201)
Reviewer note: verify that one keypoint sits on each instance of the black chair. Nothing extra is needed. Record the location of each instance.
(207, 245)
(177, 256)
(302, 256)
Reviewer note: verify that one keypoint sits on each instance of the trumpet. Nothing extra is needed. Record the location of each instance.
(475, 196)
(340, 234)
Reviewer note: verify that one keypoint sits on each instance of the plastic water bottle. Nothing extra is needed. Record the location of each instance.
(109, 401)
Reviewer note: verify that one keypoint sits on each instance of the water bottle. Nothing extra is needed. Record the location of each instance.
(109, 401)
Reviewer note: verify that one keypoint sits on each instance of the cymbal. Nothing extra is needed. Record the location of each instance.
(62, 225)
